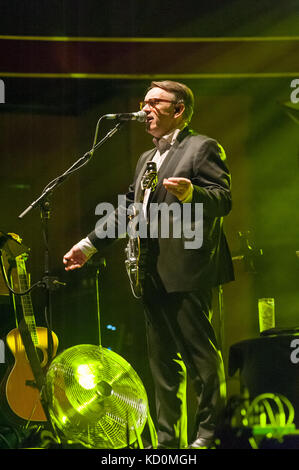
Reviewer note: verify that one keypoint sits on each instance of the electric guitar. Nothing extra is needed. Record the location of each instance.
(133, 248)
(22, 393)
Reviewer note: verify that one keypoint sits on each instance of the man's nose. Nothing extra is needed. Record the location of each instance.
(146, 108)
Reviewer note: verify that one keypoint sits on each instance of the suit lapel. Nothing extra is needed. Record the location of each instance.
(168, 161)
(160, 192)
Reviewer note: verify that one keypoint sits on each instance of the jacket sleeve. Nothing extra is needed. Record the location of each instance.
(211, 180)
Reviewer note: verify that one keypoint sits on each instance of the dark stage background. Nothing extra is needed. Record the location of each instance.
(55, 91)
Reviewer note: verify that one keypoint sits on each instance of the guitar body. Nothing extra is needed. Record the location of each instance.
(21, 393)
(133, 249)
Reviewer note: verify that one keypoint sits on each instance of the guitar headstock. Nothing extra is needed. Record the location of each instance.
(15, 236)
(20, 259)
(13, 248)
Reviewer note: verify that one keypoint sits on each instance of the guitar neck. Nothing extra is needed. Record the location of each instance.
(26, 299)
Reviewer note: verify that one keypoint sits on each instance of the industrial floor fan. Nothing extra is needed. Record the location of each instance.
(95, 398)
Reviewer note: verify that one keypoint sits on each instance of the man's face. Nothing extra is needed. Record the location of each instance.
(162, 116)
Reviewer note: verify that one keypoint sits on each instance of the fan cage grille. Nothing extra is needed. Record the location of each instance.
(96, 398)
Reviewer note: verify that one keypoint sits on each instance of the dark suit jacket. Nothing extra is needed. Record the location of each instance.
(202, 160)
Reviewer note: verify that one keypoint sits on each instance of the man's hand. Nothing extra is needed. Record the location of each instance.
(74, 259)
(180, 187)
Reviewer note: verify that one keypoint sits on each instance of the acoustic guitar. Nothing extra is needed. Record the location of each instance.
(22, 393)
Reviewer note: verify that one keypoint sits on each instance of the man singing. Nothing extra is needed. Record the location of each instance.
(177, 280)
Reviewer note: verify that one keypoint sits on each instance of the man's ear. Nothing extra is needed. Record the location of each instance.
(179, 109)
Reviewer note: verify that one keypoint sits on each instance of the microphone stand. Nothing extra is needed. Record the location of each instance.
(51, 282)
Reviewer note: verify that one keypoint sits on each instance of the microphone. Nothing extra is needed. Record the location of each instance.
(138, 116)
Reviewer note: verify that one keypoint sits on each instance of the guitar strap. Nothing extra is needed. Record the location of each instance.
(31, 355)
(38, 374)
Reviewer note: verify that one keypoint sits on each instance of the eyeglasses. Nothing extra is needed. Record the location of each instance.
(153, 102)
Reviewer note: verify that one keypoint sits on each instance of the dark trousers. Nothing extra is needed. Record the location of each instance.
(181, 341)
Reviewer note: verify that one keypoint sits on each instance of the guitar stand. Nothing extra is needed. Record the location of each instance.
(13, 249)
